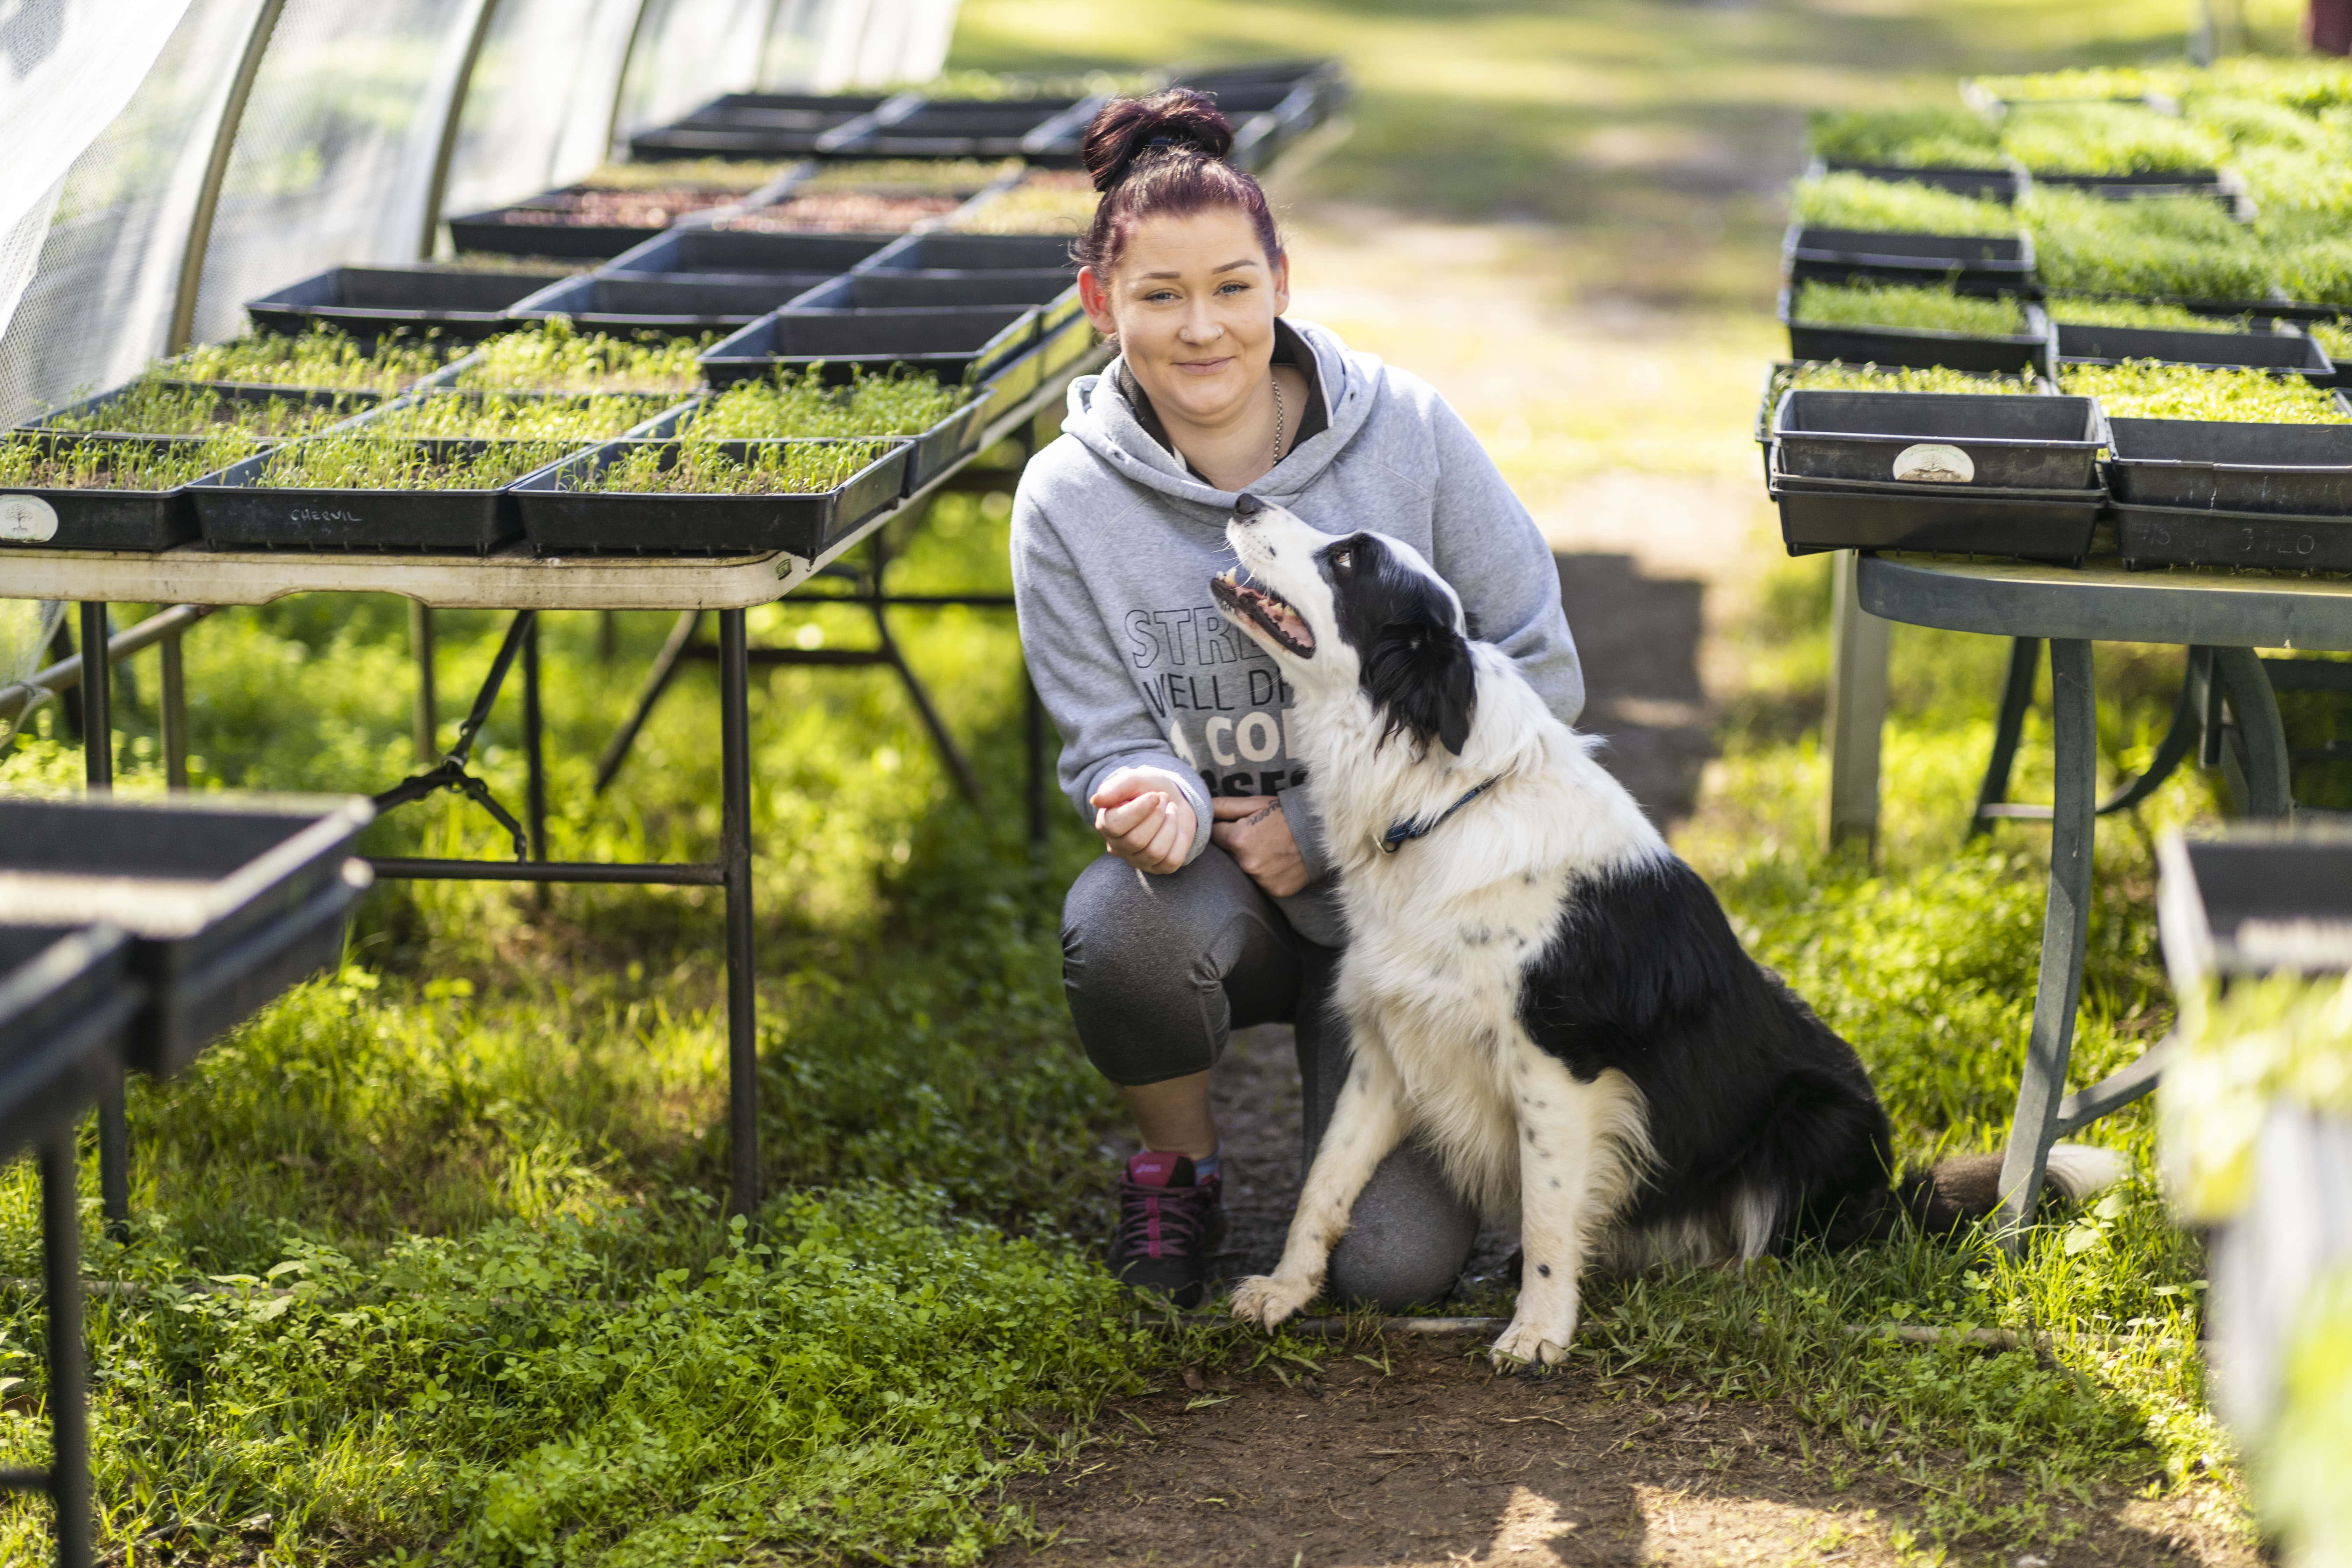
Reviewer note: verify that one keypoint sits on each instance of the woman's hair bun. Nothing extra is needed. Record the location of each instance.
(1127, 129)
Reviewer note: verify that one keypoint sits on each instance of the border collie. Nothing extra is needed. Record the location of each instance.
(1537, 988)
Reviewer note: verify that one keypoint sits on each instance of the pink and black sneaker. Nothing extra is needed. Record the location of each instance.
(1169, 1221)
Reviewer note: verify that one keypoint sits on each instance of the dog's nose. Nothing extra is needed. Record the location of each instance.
(1247, 505)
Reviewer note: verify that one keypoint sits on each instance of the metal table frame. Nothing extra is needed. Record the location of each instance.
(2221, 615)
(513, 579)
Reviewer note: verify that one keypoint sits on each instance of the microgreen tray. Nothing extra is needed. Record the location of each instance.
(235, 511)
(746, 256)
(493, 230)
(2199, 536)
(94, 518)
(368, 300)
(227, 902)
(2032, 442)
(1919, 347)
(339, 404)
(68, 1002)
(2231, 465)
(1971, 264)
(952, 344)
(2287, 353)
(561, 521)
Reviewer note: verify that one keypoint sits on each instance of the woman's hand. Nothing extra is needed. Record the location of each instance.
(1144, 819)
(1252, 831)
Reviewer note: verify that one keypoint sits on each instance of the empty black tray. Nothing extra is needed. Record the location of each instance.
(2024, 442)
(952, 128)
(952, 344)
(754, 125)
(68, 1002)
(748, 255)
(1972, 264)
(2257, 899)
(235, 511)
(1827, 515)
(680, 306)
(369, 300)
(102, 519)
(1918, 347)
(2287, 352)
(2210, 536)
(2213, 463)
(971, 253)
(227, 902)
(1053, 290)
(561, 522)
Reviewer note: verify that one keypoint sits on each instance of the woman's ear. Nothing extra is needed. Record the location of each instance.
(1281, 282)
(1094, 296)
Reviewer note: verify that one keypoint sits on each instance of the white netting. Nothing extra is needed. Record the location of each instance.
(540, 111)
(28, 627)
(689, 52)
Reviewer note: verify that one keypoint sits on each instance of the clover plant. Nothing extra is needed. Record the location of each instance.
(690, 468)
(556, 357)
(362, 462)
(322, 357)
(2147, 389)
(2185, 245)
(29, 462)
(1907, 307)
(1896, 207)
(2106, 139)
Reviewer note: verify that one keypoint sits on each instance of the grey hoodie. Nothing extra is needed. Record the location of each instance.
(1115, 539)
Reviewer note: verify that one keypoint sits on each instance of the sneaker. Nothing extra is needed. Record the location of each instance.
(1167, 1224)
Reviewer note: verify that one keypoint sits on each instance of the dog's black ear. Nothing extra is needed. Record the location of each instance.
(1420, 679)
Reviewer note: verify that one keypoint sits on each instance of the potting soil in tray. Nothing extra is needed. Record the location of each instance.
(843, 211)
(675, 305)
(1893, 339)
(955, 344)
(1815, 518)
(227, 903)
(2032, 442)
(656, 208)
(2233, 466)
(2095, 344)
(106, 492)
(359, 493)
(368, 299)
(2199, 536)
(719, 498)
(68, 1002)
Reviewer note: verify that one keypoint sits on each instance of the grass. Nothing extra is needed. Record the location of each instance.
(34, 462)
(2184, 246)
(153, 407)
(557, 358)
(322, 357)
(2093, 313)
(494, 417)
(366, 461)
(1908, 309)
(2104, 138)
(704, 467)
(1922, 138)
(2145, 389)
(789, 404)
(1887, 207)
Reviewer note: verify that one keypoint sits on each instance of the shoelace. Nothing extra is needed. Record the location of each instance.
(1163, 1222)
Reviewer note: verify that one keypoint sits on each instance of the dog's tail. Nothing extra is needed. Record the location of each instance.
(1966, 1188)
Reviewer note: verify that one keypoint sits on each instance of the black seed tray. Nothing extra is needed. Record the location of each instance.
(2026, 442)
(1923, 517)
(227, 904)
(954, 344)
(1918, 347)
(68, 1001)
(971, 253)
(658, 425)
(1973, 263)
(561, 522)
(368, 301)
(2157, 182)
(747, 256)
(491, 231)
(2224, 465)
(2289, 352)
(1053, 290)
(235, 511)
(343, 403)
(1993, 185)
(2199, 536)
(952, 129)
(102, 519)
(935, 450)
(678, 306)
(754, 125)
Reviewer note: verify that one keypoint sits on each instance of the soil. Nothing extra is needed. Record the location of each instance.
(618, 209)
(846, 212)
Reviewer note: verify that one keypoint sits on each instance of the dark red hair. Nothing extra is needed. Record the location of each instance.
(1164, 153)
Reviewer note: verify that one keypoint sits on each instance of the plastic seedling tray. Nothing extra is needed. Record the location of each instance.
(1944, 438)
(954, 130)
(1921, 347)
(68, 1002)
(2222, 465)
(2155, 183)
(561, 521)
(954, 344)
(1824, 515)
(2257, 899)
(494, 230)
(753, 125)
(343, 405)
(678, 306)
(96, 518)
(1973, 263)
(971, 253)
(227, 902)
(747, 254)
(1053, 290)
(2207, 536)
(369, 300)
(2289, 352)
(1992, 183)
(235, 511)
(659, 424)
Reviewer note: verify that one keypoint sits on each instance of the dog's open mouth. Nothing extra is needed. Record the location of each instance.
(1271, 611)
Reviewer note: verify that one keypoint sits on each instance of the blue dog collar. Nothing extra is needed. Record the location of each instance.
(1400, 834)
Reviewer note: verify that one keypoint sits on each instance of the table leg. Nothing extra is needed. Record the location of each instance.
(2016, 697)
(2065, 923)
(1857, 708)
(98, 771)
(735, 862)
(425, 718)
(2260, 728)
(175, 715)
(69, 1414)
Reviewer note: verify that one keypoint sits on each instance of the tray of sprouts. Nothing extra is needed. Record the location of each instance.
(353, 490)
(1848, 226)
(711, 498)
(1049, 201)
(578, 418)
(1952, 149)
(321, 359)
(64, 490)
(1902, 324)
(153, 406)
(554, 357)
(1837, 375)
(943, 419)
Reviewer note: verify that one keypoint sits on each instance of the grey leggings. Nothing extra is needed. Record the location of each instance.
(1161, 970)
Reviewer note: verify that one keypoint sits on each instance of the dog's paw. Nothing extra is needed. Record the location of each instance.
(1265, 1300)
(1529, 1343)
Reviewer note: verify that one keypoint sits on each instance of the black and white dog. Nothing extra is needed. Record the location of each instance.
(1537, 987)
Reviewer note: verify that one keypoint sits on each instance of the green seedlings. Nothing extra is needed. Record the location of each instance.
(1907, 309)
(2145, 389)
(491, 416)
(1891, 206)
(2243, 120)
(499, 262)
(690, 467)
(2291, 187)
(2335, 337)
(2106, 139)
(791, 403)
(2319, 270)
(151, 406)
(557, 358)
(29, 462)
(2084, 312)
(2184, 246)
(2309, 84)
(322, 357)
(1906, 138)
(1054, 201)
(2096, 82)
(717, 174)
(1834, 375)
(946, 174)
(360, 462)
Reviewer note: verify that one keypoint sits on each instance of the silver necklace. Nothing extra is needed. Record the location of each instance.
(1279, 419)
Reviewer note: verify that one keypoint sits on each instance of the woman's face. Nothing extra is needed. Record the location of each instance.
(1192, 301)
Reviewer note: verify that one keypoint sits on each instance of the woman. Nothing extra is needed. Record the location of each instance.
(1212, 908)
